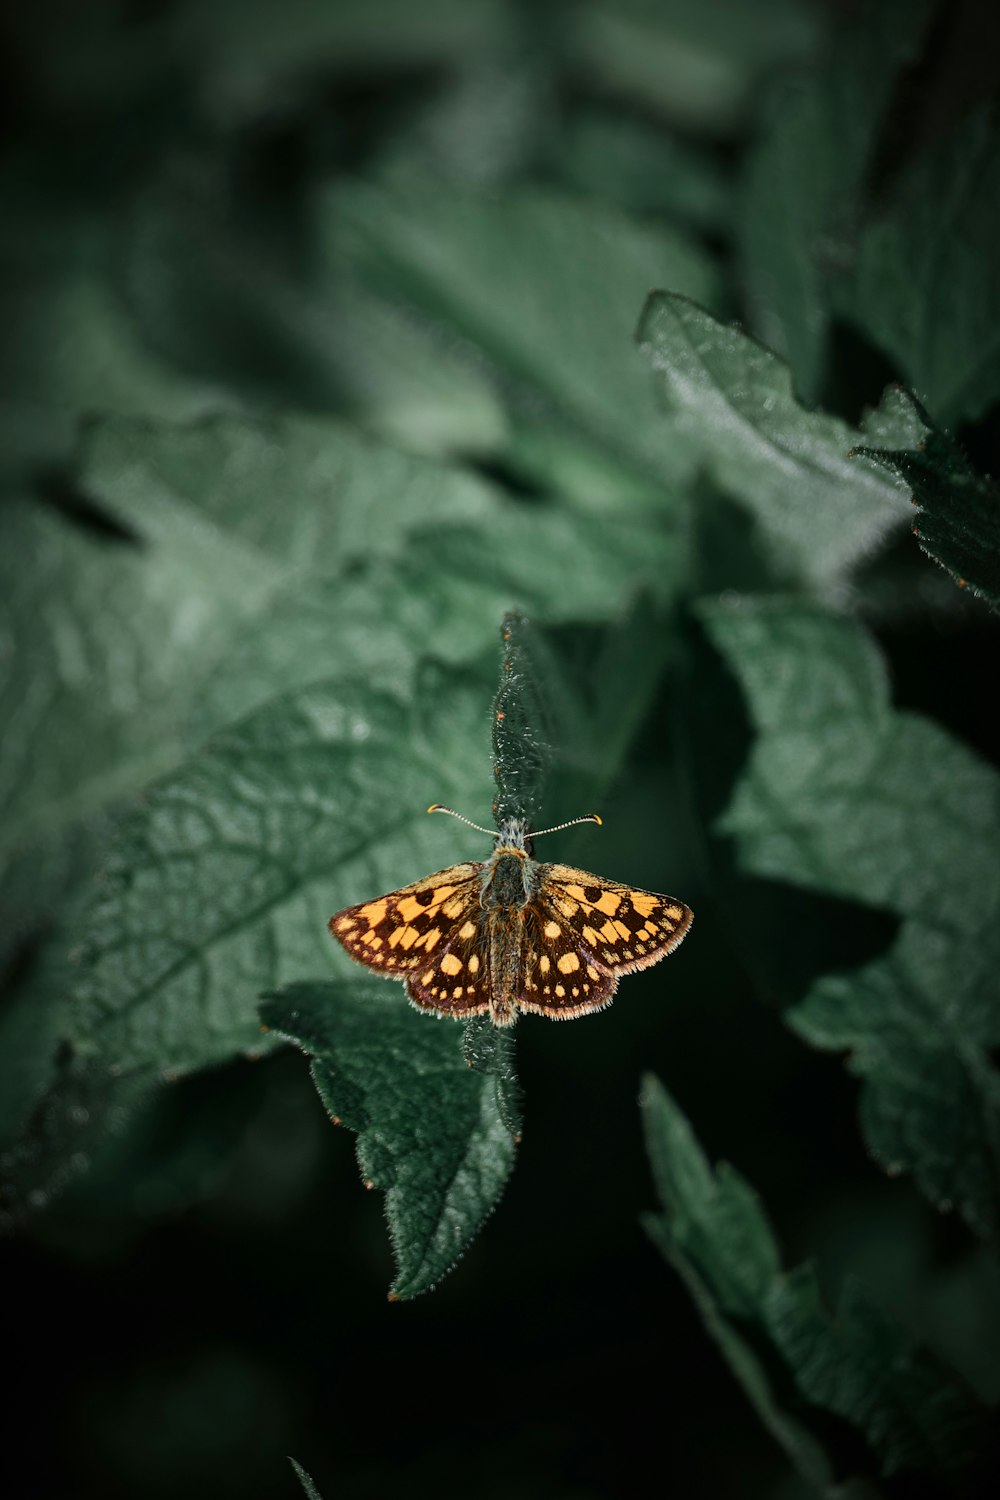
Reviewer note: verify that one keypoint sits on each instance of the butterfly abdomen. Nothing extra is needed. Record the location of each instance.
(509, 882)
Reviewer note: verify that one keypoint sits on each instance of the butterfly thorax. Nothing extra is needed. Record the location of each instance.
(509, 877)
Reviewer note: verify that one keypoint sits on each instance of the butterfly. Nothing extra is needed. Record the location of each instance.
(508, 934)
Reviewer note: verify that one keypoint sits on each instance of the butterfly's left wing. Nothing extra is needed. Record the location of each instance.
(588, 931)
(396, 933)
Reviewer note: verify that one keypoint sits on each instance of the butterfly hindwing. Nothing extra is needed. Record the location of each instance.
(455, 980)
(619, 927)
(396, 933)
(561, 979)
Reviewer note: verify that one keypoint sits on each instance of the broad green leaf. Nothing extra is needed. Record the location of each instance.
(344, 497)
(544, 287)
(926, 286)
(789, 1353)
(312, 1493)
(123, 655)
(221, 883)
(803, 180)
(820, 510)
(435, 1133)
(958, 510)
(846, 796)
(109, 644)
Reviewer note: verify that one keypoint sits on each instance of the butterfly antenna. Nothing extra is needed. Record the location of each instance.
(438, 807)
(587, 818)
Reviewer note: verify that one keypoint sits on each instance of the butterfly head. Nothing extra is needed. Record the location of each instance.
(514, 836)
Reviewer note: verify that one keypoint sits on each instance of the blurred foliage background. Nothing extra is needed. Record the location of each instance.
(319, 354)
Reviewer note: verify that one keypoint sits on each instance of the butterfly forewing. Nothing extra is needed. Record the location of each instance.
(619, 927)
(416, 925)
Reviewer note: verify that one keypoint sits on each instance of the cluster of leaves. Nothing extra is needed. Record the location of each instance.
(271, 481)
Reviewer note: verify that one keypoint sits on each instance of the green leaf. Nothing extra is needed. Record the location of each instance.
(862, 1365)
(115, 648)
(958, 510)
(926, 286)
(312, 1493)
(433, 1134)
(221, 882)
(846, 796)
(785, 1348)
(790, 467)
(88, 721)
(522, 748)
(803, 180)
(544, 287)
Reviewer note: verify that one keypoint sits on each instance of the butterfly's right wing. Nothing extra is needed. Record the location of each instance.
(397, 933)
(588, 930)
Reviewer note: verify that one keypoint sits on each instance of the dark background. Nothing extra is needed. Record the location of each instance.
(212, 1296)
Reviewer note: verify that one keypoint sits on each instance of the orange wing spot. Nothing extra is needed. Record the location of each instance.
(457, 992)
(560, 990)
(453, 908)
(576, 891)
(552, 930)
(468, 931)
(593, 973)
(568, 963)
(343, 924)
(608, 903)
(431, 938)
(609, 932)
(407, 937)
(674, 912)
(622, 931)
(590, 937)
(374, 912)
(644, 904)
(544, 963)
(474, 964)
(451, 965)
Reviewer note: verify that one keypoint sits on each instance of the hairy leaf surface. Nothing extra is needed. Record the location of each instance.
(843, 794)
(435, 1130)
(790, 467)
(787, 1350)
